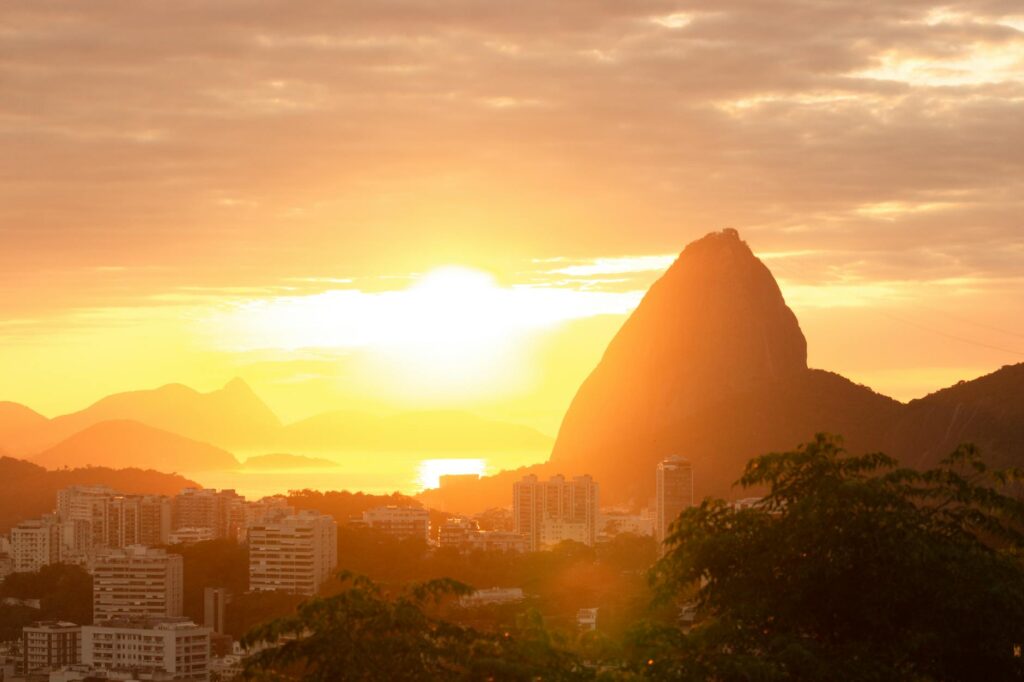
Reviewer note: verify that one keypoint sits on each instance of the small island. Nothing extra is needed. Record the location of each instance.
(286, 461)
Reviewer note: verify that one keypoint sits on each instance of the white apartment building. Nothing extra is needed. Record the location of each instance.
(295, 553)
(548, 512)
(98, 517)
(617, 522)
(49, 645)
(399, 522)
(176, 647)
(492, 595)
(554, 531)
(673, 493)
(190, 536)
(35, 543)
(464, 534)
(222, 511)
(137, 581)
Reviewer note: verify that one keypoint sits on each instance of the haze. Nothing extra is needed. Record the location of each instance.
(399, 206)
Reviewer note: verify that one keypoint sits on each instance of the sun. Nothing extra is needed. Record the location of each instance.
(450, 334)
(453, 332)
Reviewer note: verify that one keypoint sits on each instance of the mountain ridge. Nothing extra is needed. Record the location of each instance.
(712, 365)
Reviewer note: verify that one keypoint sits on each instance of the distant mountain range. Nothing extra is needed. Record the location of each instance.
(122, 442)
(712, 365)
(175, 428)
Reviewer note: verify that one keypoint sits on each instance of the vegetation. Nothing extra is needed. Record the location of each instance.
(362, 634)
(214, 563)
(28, 490)
(64, 593)
(850, 568)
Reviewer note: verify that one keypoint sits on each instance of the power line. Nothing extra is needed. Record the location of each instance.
(961, 339)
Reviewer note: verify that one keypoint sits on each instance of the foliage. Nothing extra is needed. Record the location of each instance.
(362, 634)
(213, 563)
(850, 568)
(64, 591)
(28, 490)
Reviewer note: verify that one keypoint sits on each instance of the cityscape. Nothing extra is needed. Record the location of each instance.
(511, 341)
(126, 544)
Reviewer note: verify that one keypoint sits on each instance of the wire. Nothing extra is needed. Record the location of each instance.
(951, 336)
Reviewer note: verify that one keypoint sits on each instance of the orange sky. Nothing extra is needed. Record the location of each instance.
(193, 191)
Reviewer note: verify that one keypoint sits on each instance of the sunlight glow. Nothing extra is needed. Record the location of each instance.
(454, 329)
(431, 470)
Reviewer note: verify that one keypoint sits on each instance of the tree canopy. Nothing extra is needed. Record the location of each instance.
(848, 568)
(363, 634)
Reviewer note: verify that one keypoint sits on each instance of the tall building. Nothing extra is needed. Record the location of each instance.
(294, 553)
(49, 645)
(399, 522)
(137, 581)
(35, 543)
(138, 520)
(215, 601)
(174, 647)
(83, 513)
(97, 517)
(674, 492)
(221, 511)
(548, 512)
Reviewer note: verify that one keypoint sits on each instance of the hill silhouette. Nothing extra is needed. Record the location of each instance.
(125, 443)
(16, 418)
(28, 490)
(712, 365)
(232, 416)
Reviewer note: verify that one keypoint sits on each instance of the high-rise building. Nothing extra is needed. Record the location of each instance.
(215, 601)
(399, 522)
(35, 543)
(548, 512)
(137, 581)
(97, 517)
(176, 648)
(295, 553)
(222, 511)
(49, 645)
(674, 492)
(138, 520)
(84, 514)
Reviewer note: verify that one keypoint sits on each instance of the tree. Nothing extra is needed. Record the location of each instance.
(849, 568)
(64, 593)
(361, 634)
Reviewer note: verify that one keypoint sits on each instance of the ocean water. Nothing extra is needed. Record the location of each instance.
(369, 472)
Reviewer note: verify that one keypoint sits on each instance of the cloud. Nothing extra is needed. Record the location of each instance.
(243, 144)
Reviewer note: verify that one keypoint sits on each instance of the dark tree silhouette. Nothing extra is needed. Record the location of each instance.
(850, 568)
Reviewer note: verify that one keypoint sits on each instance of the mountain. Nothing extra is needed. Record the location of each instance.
(28, 490)
(16, 418)
(712, 365)
(232, 416)
(988, 412)
(437, 431)
(125, 443)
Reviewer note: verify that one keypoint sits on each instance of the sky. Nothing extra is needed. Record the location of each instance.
(292, 192)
